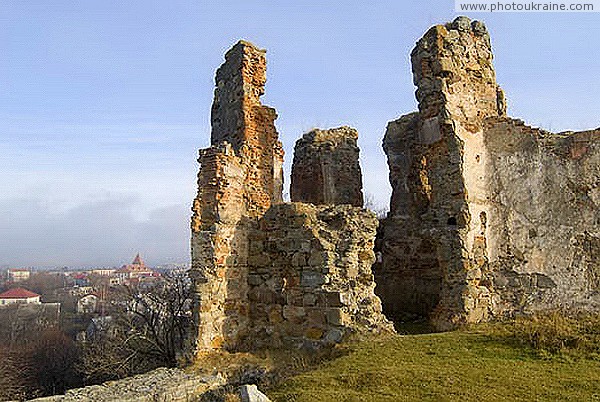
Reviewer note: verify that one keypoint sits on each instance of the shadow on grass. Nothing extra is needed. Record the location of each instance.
(414, 326)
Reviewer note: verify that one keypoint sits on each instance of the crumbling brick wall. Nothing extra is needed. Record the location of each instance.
(240, 178)
(267, 273)
(459, 171)
(239, 118)
(326, 168)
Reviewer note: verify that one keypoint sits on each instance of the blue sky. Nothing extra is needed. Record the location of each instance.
(104, 103)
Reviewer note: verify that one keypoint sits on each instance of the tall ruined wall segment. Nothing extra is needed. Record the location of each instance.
(427, 241)
(543, 217)
(326, 168)
(239, 118)
(458, 188)
(267, 273)
(240, 178)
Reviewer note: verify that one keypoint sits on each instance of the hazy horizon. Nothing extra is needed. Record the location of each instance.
(106, 103)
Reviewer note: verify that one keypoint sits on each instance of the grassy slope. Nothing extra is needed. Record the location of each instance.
(464, 366)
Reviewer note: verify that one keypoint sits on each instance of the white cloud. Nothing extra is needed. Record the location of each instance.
(103, 232)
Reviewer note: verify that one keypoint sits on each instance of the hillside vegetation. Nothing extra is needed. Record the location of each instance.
(542, 358)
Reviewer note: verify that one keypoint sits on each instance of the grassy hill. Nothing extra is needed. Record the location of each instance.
(553, 362)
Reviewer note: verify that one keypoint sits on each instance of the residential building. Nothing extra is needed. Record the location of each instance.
(18, 274)
(19, 296)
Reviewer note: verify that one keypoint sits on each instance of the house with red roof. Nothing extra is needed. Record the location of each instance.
(19, 296)
(135, 271)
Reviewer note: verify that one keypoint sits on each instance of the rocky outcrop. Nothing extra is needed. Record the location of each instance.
(487, 216)
(165, 385)
(326, 169)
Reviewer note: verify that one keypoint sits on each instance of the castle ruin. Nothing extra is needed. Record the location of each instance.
(488, 217)
(265, 272)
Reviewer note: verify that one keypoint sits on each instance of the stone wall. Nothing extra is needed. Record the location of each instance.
(239, 118)
(240, 177)
(427, 250)
(326, 168)
(542, 223)
(461, 173)
(487, 216)
(267, 273)
(218, 246)
(310, 275)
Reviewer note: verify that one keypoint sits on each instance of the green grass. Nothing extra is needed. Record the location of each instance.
(476, 365)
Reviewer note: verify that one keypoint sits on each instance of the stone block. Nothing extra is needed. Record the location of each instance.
(334, 335)
(299, 259)
(250, 393)
(293, 312)
(331, 299)
(314, 333)
(336, 316)
(312, 279)
(316, 259)
(309, 299)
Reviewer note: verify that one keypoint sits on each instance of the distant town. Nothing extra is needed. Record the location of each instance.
(81, 314)
(86, 289)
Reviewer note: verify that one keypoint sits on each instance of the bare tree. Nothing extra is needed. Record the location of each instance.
(14, 374)
(53, 360)
(148, 330)
(42, 366)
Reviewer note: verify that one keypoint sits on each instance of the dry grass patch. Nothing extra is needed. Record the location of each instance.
(537, 358)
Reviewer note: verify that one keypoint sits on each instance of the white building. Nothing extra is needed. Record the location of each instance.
(18, 274)
(87, 304)
(103, 271)
(18, 295)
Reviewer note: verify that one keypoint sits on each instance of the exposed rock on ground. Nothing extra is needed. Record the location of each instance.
(250, 393)
(165, 385)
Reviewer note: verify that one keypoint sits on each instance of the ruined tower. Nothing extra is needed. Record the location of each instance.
(326, 168)
(240, 178)
(268, 273)
(465, 239)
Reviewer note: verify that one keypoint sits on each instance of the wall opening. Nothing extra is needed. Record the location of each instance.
(408, 275)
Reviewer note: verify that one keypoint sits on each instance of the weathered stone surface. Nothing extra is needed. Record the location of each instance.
(240, 177)
(265, 271)
(426, 262)
(250, 393)
(239, 118)
(326, 169)
(319, 299)
(542, 222)
(164, 385)
(487, 216)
